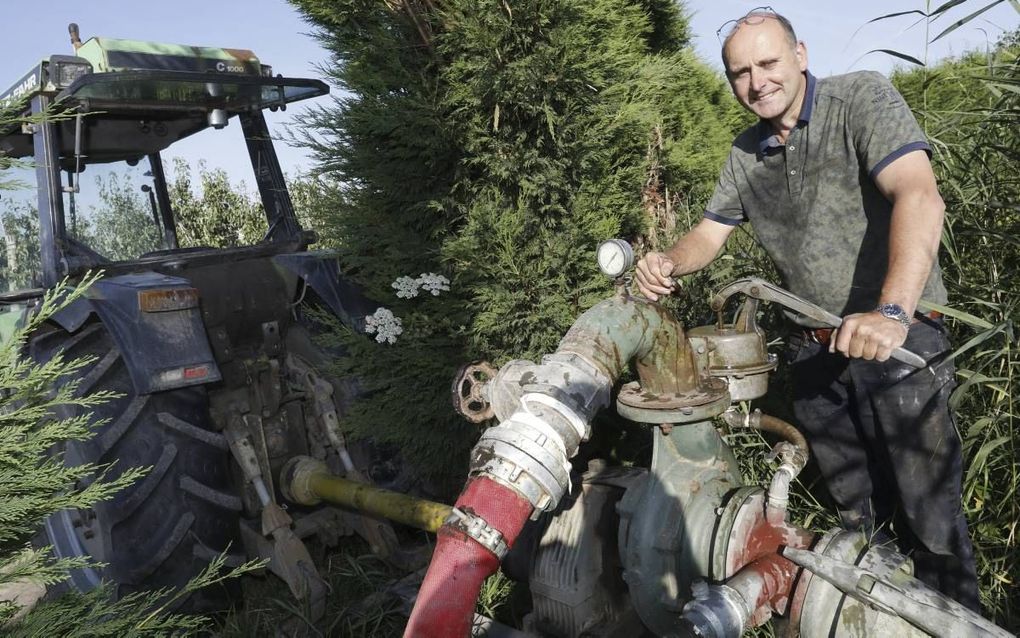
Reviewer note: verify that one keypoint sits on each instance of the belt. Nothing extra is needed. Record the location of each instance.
(824, 335)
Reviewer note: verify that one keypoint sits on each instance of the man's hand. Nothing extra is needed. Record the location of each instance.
(654, 275)
(868, 335)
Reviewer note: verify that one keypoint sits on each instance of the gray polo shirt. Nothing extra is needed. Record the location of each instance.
(813, 202)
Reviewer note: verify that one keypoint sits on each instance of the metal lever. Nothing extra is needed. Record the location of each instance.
(761, 289)
(899, 595)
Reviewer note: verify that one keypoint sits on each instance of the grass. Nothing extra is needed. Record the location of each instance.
(352, 573)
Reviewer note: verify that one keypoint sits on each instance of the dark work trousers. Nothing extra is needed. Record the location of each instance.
(888, 450)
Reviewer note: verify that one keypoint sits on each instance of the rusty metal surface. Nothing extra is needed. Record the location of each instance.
(637, 395)
(615, 331)
(635, 403)
(744, 537)
(308, 482)
(667, 521)
(736, 353)
(766, 291)
(729, 350)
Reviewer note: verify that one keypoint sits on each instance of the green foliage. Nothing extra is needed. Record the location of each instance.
(121, 225)
(20, 261)
(137, 615)
(497, 144)
(358, 606)
(216, 213)
(35, 483)
(219, 214)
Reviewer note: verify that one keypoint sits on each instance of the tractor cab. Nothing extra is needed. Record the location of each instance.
(119, 104)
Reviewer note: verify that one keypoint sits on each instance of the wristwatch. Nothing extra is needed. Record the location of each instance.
(896, 312)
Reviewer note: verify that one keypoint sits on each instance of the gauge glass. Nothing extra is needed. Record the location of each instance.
(615, 257)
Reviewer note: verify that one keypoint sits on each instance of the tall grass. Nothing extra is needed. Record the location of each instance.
(977, 154)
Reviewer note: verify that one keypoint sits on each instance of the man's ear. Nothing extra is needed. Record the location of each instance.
(801, 53)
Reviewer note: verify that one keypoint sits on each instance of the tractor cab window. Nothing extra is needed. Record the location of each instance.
(111, 214)
(20, 262)
(147, 165)
(138, 197)
(118, 211)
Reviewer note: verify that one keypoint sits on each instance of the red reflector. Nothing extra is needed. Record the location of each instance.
(163, 300)
(198, 372)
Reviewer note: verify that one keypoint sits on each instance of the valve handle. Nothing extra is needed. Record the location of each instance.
(470, 398)
(761, 289)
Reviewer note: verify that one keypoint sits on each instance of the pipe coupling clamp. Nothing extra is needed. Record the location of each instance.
(478, 530)
(530, 454)
(567, 376)
(716, 611)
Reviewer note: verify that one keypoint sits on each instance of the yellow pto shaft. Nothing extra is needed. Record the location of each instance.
(307, 481)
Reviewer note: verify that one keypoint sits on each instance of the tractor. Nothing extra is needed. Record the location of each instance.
(209, 348)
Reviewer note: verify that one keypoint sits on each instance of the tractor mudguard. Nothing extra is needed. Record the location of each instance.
(155, 321)
(321, 272)
(73, 315)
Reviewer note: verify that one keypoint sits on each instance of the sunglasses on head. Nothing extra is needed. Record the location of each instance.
(754, 16)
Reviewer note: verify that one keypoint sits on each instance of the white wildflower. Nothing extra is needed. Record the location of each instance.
(383, 325)
(433, 283)
(406, 287)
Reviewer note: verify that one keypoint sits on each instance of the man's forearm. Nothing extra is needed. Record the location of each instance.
(914, 234)
(698, 247)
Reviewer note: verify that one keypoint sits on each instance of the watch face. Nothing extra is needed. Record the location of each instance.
(894, 311)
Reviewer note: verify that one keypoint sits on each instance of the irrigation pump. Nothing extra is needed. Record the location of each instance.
(682, 547)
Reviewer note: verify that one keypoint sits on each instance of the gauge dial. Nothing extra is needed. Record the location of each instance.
(615, 257)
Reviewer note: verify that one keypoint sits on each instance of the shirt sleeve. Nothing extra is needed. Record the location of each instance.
(725, 206)
(882, 125)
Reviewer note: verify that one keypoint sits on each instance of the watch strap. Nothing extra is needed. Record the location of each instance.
(895, 312)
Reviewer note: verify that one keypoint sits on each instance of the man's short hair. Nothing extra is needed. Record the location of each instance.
(762, 15)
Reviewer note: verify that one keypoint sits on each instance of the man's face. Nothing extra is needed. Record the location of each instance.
(765, 70)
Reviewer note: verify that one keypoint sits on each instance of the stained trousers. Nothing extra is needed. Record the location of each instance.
(888, 450)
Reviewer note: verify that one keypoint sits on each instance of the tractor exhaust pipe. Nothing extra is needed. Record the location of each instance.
(72, 30)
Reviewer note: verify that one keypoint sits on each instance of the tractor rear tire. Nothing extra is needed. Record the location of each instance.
(164, 529)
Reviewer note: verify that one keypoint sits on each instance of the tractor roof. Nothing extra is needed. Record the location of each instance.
(143, 96)
(111, 55)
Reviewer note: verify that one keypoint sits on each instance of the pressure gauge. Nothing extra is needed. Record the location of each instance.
(615, 257)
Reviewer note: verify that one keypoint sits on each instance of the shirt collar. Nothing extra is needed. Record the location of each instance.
(767, 140)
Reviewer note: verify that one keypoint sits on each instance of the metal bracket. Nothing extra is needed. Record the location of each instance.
(480, 531)
(271, 337)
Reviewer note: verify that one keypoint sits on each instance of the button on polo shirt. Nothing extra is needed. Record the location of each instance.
(813, 202)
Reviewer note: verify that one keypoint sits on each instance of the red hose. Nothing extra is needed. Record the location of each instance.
(446, 601)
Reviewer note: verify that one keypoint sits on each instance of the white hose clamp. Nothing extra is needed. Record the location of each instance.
(480, 531)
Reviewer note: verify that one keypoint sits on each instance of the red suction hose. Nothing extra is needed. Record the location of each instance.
(446, 601)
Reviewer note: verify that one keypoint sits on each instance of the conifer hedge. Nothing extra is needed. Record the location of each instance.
(496, 144)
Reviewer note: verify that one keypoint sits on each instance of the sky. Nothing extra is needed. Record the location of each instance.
(838, 36)
(835, 31)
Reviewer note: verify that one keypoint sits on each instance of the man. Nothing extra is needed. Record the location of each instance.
(835, 179)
